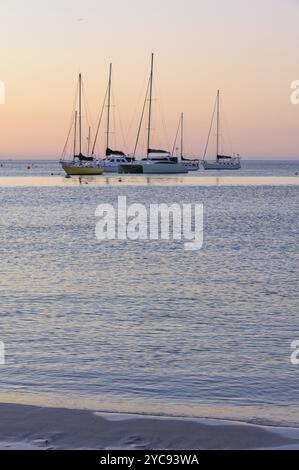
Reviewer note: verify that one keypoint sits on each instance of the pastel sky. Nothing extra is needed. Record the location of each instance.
(247, 48)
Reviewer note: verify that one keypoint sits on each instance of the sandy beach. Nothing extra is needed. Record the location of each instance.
(28, 427)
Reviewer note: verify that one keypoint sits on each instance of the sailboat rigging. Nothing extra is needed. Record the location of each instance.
(163, 162)
(222, 162)
(190, 164)
(81, 164)
(112, 157)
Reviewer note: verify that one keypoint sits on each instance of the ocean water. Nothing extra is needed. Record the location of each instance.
(144, 326)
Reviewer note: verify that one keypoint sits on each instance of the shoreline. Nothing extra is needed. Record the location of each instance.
(36, 427)
(275, 415)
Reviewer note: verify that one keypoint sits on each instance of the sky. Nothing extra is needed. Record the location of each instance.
(249, 49)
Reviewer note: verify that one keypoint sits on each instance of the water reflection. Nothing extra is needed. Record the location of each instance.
(138, 180)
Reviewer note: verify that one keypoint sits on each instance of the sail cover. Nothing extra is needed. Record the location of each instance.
(110, 152)
(157, 151)
(188, 159)
(83, 158)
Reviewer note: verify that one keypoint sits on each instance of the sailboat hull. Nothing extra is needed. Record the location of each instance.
(73, 170)
(229, 165)
(148, 167)
(163, 168)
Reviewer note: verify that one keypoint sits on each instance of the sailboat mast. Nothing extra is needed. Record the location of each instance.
(80, 114)
(109, 105)
(182, 135)
(88, 141)
(218, 121)
(75, 132)
(150, 106)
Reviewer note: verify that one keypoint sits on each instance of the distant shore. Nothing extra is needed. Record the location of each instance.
(32, 427)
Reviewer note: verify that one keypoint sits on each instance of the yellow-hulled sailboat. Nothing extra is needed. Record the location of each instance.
(81, 164)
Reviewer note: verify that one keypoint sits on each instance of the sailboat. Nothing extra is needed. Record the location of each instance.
(157, 161)
(81, 164)
(113, 158)
(222, 162)
(190, 164)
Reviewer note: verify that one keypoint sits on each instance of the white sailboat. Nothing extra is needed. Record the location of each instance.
(222, 162)
(157, 161)
(113, 158)
(190, 164)
(81, 164)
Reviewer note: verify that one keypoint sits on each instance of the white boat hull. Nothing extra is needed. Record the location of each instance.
(152, 167)
(155, 168)
(229, 165)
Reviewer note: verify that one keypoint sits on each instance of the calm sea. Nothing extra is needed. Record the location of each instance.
(146, 326)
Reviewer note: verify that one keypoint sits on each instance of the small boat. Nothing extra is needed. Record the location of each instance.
(81, 164)
(163, 162)
(189, 163)
(222, 162)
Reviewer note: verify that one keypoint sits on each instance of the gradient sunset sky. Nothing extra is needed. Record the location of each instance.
(247, 48)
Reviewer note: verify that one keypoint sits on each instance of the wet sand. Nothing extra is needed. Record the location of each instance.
(29, 427)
